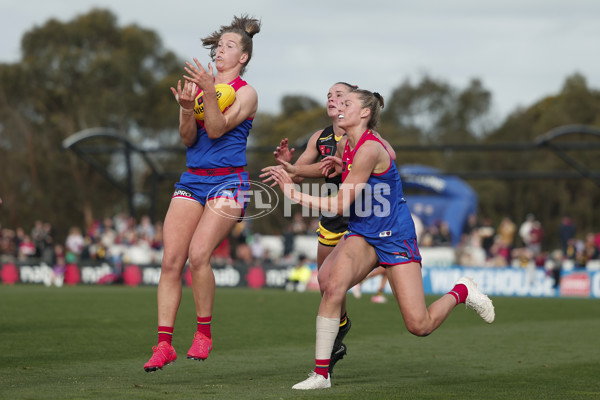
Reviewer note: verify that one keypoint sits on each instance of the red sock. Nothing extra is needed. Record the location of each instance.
(204, 326)
(322, 367)
(460, 293)
(165, 334)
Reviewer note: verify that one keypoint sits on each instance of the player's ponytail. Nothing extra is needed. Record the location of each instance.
(372, 101)
(244, 26)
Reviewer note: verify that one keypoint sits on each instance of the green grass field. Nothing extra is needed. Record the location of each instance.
(90, 342)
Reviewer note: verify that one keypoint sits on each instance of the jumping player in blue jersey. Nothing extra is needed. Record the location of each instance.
(380, 232)
(209, 197)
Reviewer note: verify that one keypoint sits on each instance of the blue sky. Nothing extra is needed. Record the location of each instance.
(521, 50)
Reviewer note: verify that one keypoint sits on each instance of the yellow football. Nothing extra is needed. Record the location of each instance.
(225, 97)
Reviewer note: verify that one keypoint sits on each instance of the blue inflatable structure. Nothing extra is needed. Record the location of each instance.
(433, 197)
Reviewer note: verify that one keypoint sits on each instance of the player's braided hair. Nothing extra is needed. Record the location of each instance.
(244, 26)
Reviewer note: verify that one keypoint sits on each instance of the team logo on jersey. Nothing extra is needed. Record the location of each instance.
(325, 150)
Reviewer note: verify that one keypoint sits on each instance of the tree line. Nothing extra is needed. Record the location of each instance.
(90, 72)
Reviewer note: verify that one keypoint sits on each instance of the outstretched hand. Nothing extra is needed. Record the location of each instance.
(197, 74)
(267, 172)
(331, 166)
(185, 96)
(283, 152)
(281, 178)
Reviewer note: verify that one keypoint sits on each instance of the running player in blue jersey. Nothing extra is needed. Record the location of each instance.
(209, 197)
(321, 144)
(380, 232)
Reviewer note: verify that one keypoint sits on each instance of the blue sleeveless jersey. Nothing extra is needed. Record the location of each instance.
(380, 211)
(227, 151)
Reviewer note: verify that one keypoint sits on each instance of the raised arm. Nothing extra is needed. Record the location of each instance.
(304, 167)
(218, 123)
(370, 157)
(187, 121)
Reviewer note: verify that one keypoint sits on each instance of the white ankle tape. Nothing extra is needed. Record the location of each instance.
(327, 330)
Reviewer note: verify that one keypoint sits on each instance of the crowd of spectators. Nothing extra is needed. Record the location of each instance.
(119, 239)
(509, 244)
(123, 239)
(245, 245)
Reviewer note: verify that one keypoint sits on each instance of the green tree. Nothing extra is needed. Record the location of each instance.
(84, 73)
(434, 112)
(301, 116)
(90, 72)
(576, 103)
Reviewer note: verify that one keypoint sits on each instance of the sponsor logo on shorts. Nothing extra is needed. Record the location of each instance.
(182, 193)
(385, 234)
(225, 193)
(402, 254)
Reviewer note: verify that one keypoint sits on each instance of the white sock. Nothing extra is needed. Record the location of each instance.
(327, 330)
